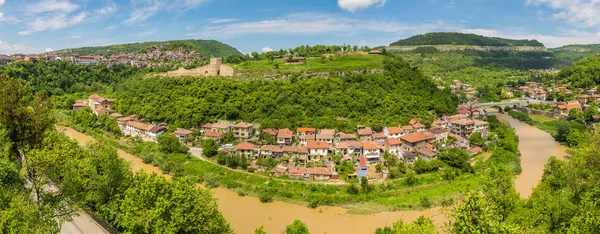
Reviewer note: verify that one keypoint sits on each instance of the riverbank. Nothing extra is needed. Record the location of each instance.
(246, 213)
(536, 147)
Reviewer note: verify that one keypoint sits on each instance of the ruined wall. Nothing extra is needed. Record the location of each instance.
(214, 68)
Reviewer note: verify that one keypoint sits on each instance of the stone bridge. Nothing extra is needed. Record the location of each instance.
(502, 105)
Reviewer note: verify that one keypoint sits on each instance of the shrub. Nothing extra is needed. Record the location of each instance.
(265, 197)
(211, 181)
(425, 202)
(241, 193)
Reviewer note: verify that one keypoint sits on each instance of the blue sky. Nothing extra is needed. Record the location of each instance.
(34, 26)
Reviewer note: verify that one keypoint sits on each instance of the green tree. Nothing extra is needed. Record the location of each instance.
(590, 111)
(229, 137)
(476, 138)
(298, 227)
(574, 138)
(364, 184)
(260, 230)
(422, 226)
(170, 144)
(563, 129)
(210, 148)
(477, 214)
(457, 158)
(576, 114)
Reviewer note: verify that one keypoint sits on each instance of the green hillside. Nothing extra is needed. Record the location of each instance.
(207, 48)
(570, 54)
(452, 38)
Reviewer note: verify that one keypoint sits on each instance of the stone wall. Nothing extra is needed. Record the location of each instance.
(538, 112)
(214, 68)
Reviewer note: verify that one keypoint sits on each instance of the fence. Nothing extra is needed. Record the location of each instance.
(110, 229)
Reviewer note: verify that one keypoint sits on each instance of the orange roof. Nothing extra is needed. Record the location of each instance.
(296, 170)
(475, 150)
(418, 125)
(393, 141)
(365, 131)
(181, 131)
(407, 127)
(80, 104)
(418, 137)
(270, 131)
(318, 171)
(327, 131)
(369, 145)
(394, 130)
(211, 133)
(462, 122)
(138, 125)
(285, 133)
(299, 130)
(244, 146)
(347, 136)
(414, 121)
(378, 135)
(362, 162)
(206, 125)
(95, 96)
(317, 145)
(322, 136)
(274, 148)
(308, 137)
(243, 125)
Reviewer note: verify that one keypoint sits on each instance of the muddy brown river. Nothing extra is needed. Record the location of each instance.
(245, 214)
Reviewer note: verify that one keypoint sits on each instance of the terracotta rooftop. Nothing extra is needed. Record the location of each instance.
(270, 131)
(347, 136)
(393, 141)
(407, 128)
(394, 130)
(182, 131)
(157, 129)
(243, 125)
(211, 133)
(475, 150)
(116, 115)
(317, 145)
(322, 136)
(140, 126)
(299, 130)
(244, 146)
(437, 130)
(362, 161)
(80, 104)
(370, 145)
(273, 148)
(285, 133)
(308, 137)
(379, 135)
(327, 131)
(206, 125)
(318, 171)
(462, 122)
(365, 131)
(417, 137)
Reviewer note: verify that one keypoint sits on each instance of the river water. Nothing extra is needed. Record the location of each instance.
(536, 147)
(247, 213)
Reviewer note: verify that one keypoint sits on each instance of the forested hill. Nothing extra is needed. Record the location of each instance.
(452, 38)
(400, 93)
(570, 54)
(583, 74)
(208, 48)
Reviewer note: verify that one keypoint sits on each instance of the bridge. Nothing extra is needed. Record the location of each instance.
(503, 105)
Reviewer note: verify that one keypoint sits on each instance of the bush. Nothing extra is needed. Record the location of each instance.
(265, 197)
(211, 181)
(241, 193)
(447, 202)
(425, 202)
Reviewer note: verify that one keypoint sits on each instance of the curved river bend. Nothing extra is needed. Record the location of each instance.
(247, 213)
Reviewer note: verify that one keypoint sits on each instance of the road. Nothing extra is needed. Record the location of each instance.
(82, 224)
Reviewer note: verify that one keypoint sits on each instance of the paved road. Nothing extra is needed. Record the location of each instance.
(82, 224)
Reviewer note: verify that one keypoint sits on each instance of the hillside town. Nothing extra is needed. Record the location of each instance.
(306, 152)
(155, 56)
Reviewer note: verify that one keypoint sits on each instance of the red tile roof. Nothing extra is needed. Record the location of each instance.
(299, 130)
(206, 125)
(318, 171)
(378, 135)
(308, 137)
(181, 131)
(394, 130)
(362, 162)
(211, 133)
(285, 133)
(244, 146)
(157, 129)
(346, 136)
(317, 145)
(365, 131)
(475, 150)
(393, 141)
(418, 137)
(243, 125)
(140, 126)
(407, 128)
(322, 136)
(273, 148)
(80, 104)
(95, 96)
(437, 130)
(369, 145)
(270, 131)
(296, 170)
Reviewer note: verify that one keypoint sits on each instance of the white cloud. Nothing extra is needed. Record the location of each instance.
(110, 28)
(143, 13)
(107, 10)
(353, 5)
(55, 22)
(267, 49)
(47, 50)
(1, 2)
(52, 6)
(221, 21)
(1, 16)
(312, 23)
(450, 4)
(584, 13)
(6, 48)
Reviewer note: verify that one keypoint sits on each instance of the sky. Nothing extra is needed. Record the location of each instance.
(36, 26)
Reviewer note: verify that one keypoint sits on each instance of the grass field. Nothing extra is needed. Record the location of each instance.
(549, 124)
(350, 62)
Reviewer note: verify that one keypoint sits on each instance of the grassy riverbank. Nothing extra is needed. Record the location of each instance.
(569, 133)
(410, 192)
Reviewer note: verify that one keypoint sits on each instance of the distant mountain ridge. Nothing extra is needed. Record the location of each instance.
(206, 48)
(463, 39)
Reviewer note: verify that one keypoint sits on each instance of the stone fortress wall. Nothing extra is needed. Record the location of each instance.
(214, 68)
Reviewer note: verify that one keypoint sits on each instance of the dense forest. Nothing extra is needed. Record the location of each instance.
(570, 54)
(584, 73)
(453, 38)
(206, 48)
(393, 97)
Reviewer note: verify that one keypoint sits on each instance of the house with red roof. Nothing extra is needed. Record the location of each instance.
(79, 105)
(371, 151)
(285, 136)
(393, 146)
(317, 149)
(245, 148)
(271, 151)
(306, 131)
(182, 134)
(303, 140)
(416, 140)
(345, 137)
(378, 138)
(393, 132)
(365, 134)
(210, 134)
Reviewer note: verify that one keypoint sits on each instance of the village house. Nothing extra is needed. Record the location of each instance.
(155, 132)
(371, 151)
(393, 146)
(462, 127)
(245, 148)
(317, 150)
(270, 131)
(324, 137)
(79, 105)
(284, 136)
(306, 131)
(327, 131)
(563, 109)
(474, 151)
(99, 104)
(306, 138)
(116, 115)
(393, 132)
(417, 126)
(441, 135)
(296, 151)
(365, 134)
(145, 131)
(122, 122)
(409, 157)
(362, 170)
(378, 138)
(296, 172)
(345, 137)
(427, 154)
(275, 151)
(318, 173)
(349, 148)
(408, 129)
(243, 130)
(182, 134)
(221, 126)
(210, 134)
(415, 141)
(480, 126)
